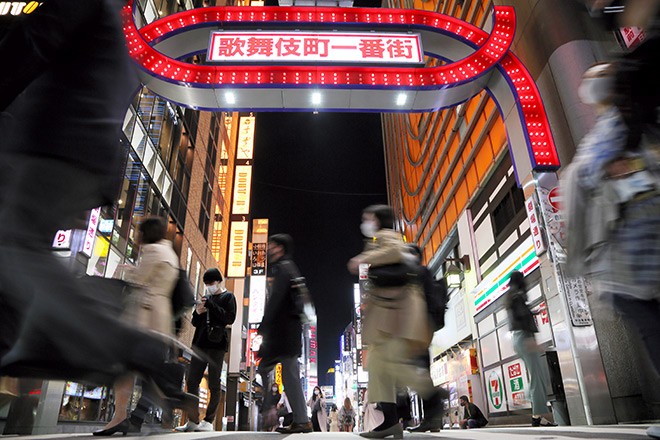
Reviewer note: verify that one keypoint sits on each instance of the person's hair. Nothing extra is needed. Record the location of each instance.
(517, 281)
(212, 275)
(283, 240)
(415, 250)
(152, 230)
(347, 403)
(383, 213)
(464, 398)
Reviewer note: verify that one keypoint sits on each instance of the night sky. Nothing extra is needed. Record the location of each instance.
(312, 177)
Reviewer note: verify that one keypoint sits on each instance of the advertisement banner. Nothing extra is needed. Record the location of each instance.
(495, 390)
(517, 385)
(237, 249)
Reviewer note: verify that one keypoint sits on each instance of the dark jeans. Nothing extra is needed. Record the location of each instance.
(644, 316)
(214, 360)
(56, 324)
(315, 421)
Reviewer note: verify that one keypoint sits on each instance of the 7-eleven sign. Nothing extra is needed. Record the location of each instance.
(495, 391)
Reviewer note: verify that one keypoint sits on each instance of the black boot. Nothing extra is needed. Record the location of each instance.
(432, 413)
(390, 425)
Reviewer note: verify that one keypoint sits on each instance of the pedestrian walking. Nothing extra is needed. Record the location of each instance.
(211, 318)
(63, 102)
(523, 326)
(149, 307)
(333, 419)
(281, 330)
(347, 416)
(395, 325)
(316, 403)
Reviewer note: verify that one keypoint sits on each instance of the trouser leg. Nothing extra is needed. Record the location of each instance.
(381, 386)
(195, 374)
(644, 316)
(524, 345)
(293, 389)
(215, 369)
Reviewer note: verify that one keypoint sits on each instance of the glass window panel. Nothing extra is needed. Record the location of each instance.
(506, 342)
(490, 353)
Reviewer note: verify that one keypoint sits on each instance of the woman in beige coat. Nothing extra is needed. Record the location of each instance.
(395, 324)
(149, 305)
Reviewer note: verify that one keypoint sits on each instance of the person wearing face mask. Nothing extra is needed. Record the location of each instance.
(216, 309)
(395, 325)
(317, 404)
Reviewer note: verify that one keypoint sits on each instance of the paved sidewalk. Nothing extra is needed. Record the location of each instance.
(613, 432)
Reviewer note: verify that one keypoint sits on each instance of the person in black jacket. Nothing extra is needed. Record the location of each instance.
(472, 415)
(523, 326)
(217, 309)
(281, 331)
(65, 85)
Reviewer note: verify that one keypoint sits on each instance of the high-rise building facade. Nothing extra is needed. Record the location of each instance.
(453, 181)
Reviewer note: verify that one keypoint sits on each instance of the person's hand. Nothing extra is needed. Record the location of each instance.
(354, 265)
(201, 306)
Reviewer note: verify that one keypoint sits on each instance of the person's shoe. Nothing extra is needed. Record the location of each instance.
(653, 431)
(432, 425)
(396, 431)
(189, 426)
(122, 427)
(541, 421)
(205, 426)
(536, 421)
(296, 428)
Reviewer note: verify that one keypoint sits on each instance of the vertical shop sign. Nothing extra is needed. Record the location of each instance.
(495, 390)
(258, 259)
(534, 226)
(578, 305)
(257, 299)
(90, 234)
(237, 249)
(516, 384)
(246, 138)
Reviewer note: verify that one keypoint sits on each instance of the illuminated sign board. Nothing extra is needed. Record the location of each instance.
(18, 8)
(90, 234)
(522, 259)
(257, 299)
(237, 249)
(246, 138)
(315, 47)
(242, 186)
(62, 239)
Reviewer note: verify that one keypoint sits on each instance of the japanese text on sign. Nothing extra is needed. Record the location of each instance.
(534, 226)
(305, 47)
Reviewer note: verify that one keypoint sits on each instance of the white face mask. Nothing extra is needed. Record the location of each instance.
(368, 228)
(594, 91)
(317, 392)
(212, 289)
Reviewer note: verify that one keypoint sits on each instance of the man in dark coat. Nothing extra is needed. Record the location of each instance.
(217, 309)
(281, 330)
(65, 86)
(472, 415)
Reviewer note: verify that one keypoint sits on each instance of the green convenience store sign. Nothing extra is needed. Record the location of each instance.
(522, 259)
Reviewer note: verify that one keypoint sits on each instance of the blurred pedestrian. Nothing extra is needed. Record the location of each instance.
(333, 419)
(211, 318)
(436, 297)
(284, 411)
(472, 415)
(371, 415)
(149, 307)
(347, 416)
(281, 330)
(317, 405)
(270, 415)
(395, 325)
(523, 326)
(63, 101)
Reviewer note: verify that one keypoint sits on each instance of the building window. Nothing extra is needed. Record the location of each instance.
(504, 213)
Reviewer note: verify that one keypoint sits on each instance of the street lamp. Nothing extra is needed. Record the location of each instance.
(455, 270)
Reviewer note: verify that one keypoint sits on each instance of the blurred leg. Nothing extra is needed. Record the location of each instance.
(195, 374)
(293, 388)
(215, 369)
(644, 316)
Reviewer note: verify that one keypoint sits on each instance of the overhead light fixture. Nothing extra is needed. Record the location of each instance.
(230, 98)
(316, 98)
(455, 271)
(401, 99)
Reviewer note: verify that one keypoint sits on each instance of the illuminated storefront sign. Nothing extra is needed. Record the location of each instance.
(90, 234)
(534, 226)
(242, 186)
(246, 138)
(237, 249)
(18, 8)
(522, 259)
(257, 299)
(62, 239)
(306, 47)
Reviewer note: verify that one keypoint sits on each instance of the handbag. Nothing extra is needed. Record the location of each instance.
(392, 275)
(214, 333)
(183, 297)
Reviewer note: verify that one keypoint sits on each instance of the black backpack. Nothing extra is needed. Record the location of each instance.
(437, 297)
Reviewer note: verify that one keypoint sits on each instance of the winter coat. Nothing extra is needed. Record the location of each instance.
(396, 311)
(69, 59)
(150, 303)
(280, 326)
(318, 405)
(222, 313)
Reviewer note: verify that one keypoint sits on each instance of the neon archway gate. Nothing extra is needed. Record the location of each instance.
(475, 60)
